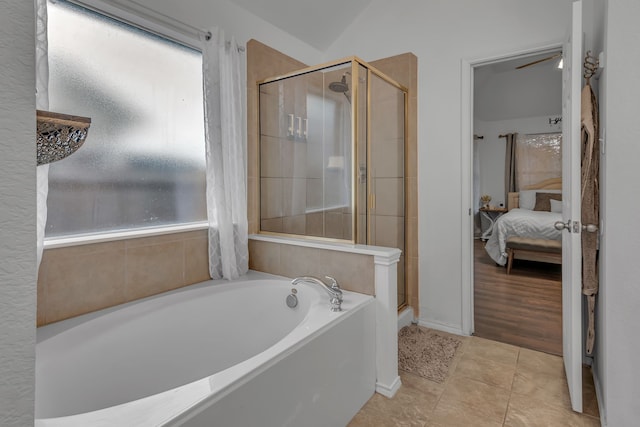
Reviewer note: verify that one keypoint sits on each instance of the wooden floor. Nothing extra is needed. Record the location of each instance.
(523, 308)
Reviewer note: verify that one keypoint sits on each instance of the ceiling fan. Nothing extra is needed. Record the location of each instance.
(548, 58)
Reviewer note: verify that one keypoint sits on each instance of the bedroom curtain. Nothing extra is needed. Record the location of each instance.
(590, 205)
(225, 153)
(510, 181)
(42, 103)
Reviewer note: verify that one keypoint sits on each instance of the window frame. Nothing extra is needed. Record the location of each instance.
(147, 20)
(162, 26)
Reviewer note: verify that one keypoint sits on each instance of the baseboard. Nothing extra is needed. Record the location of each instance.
(389, 390)
(405, 317)
(441, 327)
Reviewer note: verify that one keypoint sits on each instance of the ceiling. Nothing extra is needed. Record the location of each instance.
(502, 92)
(317, 23)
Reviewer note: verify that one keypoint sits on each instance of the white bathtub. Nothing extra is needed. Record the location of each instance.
(213, 354)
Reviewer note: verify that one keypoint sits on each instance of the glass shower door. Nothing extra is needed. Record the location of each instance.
(386, 174)
(305, 155)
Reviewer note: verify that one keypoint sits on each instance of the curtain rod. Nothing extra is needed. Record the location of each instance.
(539, 133)
(154, 17)
(179, 25)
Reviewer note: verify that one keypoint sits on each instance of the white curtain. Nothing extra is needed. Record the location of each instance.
(226, 175)
(42, 103)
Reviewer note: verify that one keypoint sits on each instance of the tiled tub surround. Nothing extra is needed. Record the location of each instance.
(188, 357)
(365, 269)
(80, 279)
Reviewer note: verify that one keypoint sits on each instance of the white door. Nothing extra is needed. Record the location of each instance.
(571, 247)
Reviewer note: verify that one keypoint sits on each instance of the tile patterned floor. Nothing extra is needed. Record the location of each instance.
(489, 384)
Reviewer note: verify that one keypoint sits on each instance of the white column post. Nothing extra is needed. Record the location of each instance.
(386, 288)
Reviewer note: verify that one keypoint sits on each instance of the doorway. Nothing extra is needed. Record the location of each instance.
(519, 94)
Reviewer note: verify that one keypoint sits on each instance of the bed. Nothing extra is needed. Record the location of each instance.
(530, 218)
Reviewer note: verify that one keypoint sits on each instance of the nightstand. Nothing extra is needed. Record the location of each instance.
(491, 214)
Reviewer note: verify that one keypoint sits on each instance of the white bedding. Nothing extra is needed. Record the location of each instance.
(521, 223)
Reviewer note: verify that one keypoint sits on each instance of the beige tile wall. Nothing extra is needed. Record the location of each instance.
(264, 62)
(354, 272)
(80, 279)
(404, 69)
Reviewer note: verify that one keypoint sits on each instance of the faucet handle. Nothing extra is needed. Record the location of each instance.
(334, 283)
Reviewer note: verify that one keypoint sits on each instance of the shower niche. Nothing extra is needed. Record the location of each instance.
(332, 142)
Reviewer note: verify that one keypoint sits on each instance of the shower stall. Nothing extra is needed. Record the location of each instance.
(332, 156)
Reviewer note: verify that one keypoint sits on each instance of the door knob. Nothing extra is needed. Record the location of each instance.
(590, 228)
(559, 225)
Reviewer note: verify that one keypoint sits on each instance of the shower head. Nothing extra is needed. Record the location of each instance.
(341, 86)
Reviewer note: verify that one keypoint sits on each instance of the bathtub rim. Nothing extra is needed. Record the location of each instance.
(50, 330)
(230, 379)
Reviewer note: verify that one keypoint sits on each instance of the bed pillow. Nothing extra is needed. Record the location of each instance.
(556, 205)
(527, 198)
(543, 201)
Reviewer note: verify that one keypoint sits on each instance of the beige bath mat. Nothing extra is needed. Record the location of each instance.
(426, 352)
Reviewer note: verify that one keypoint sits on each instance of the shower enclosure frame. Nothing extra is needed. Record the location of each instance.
(355, 63)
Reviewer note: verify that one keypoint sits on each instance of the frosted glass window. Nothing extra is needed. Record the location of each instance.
(143, 162)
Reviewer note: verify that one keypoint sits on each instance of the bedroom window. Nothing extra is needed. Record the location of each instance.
(538, 157)
(143, 163)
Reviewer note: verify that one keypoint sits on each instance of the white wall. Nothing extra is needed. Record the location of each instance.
(236, 22)
(441, 34)
(617, 342)
(491, 149)
(503, 92)
(17, 213)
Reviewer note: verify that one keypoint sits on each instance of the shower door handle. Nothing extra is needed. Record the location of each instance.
(290, 131)
(299, 131)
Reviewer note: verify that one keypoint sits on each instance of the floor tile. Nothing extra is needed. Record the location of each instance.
(478, 393)
(588, 421)
(486, 371)
(369, 418)
(467, 398)
(538, 362)
(430, 389)
(525, 411)
(552, 389)
(498, 352)
(409, 406)
(459, 419)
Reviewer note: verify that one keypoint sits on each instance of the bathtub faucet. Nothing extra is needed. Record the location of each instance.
(333, 290)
